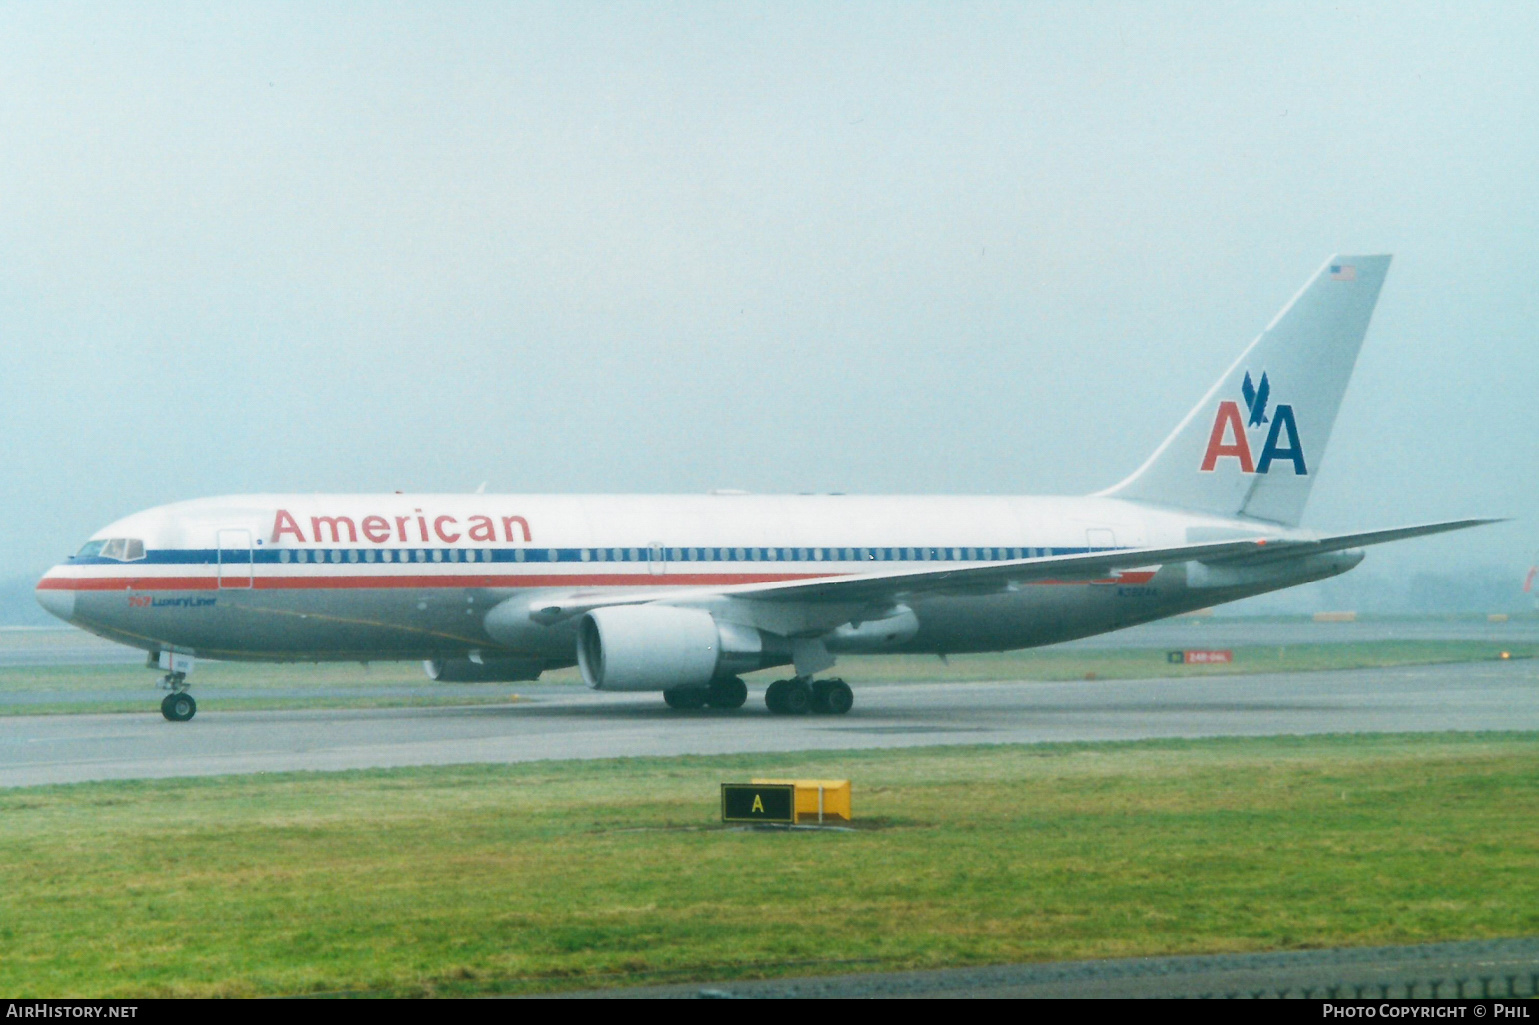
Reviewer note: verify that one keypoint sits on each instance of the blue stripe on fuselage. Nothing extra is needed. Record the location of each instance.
(596, 555)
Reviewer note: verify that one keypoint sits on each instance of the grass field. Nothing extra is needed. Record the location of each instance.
(256, 686)
(533, 877)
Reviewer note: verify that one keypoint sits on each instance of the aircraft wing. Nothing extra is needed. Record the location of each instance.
(866, 589)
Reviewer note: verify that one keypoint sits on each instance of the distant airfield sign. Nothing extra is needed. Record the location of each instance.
(1201, 657)
(758, 802)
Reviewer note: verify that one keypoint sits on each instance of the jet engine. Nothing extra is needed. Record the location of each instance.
(660, 647)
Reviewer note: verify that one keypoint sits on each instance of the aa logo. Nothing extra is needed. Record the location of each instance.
(1229, 440)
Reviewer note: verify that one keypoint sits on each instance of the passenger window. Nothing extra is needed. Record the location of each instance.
(352, 555)
(518, 555)
(336, 555)
(284, 555)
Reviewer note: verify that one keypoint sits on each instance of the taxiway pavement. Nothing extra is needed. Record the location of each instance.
(566, 722)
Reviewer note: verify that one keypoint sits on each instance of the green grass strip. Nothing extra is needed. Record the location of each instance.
(544, 876)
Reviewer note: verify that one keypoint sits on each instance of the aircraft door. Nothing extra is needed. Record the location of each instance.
(656, 565)
(235, 557)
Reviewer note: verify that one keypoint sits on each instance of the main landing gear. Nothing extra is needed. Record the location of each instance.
(797, 696)
(727, 692)
(177, 706)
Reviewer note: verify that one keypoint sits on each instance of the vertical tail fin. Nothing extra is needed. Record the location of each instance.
(1252, 446)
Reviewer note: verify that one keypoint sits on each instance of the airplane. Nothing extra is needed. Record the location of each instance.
(683, 594)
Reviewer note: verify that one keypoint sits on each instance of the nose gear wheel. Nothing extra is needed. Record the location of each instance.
(178, 707)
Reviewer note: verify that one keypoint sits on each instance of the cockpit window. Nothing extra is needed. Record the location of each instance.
(123, 549)
(90, 550)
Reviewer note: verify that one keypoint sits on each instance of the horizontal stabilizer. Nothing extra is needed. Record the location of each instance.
(1340, 542)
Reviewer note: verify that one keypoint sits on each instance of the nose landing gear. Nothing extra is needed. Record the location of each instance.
(178, 706)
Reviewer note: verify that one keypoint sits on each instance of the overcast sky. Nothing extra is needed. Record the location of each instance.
(652, 247)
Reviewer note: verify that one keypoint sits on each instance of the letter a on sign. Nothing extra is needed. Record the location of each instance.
(752, 802)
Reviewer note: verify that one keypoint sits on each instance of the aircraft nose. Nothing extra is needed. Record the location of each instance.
(55, 598)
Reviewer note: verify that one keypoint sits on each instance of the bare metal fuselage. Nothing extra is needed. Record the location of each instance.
(396, 577)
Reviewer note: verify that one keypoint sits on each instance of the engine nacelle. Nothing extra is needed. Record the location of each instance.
(647, 647)
(490, 670)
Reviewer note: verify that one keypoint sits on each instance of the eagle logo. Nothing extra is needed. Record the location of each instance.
(1256, 398)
